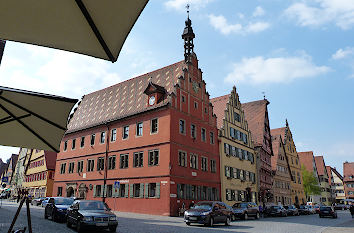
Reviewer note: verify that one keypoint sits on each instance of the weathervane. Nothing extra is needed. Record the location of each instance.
(187, 7)
(264, 97)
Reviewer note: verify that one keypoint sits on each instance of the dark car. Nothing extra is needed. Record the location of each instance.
(292, 210)
(341, 207)
(56, 208)
(317, 208)
(304, 210)
(244, 210)
(276, 210)
(208, 213)
(37, 201)
(327, 211)
(86, 214)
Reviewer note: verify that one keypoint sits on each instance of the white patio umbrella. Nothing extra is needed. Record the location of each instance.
(96, 28)
(33, 120)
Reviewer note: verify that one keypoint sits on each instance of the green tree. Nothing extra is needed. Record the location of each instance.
(310, 182)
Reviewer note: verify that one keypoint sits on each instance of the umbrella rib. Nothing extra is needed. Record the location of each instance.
(34, 114)
(28, 128)
(95, 30)
(7, 120)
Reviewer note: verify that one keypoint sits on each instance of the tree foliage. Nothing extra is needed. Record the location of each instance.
(310, 182)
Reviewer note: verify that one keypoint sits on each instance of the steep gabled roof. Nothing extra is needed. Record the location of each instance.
(329, 172)
(320, 165)
(279, 131)
(50, 159)
(348, 170)
(219, 107)
(123, 99)
(255, 112)
(276, 144)
(337, 173)
(307, 159)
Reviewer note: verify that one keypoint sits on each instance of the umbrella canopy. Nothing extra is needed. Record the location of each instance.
(92, 27)
(33, 120)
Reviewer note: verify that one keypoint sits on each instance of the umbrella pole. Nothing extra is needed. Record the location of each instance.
(28, 216)
(16, 215)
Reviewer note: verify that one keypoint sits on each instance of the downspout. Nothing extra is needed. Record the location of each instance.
(105, 165)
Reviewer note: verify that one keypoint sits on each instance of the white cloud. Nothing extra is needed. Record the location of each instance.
(180, 5)
(220, 23)
(258, 12)
(319, 12)
(259, 70)
(343, 53)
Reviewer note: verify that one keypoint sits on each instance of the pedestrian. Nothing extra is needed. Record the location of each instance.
(191, 204)
(352, 210)
(260, 208)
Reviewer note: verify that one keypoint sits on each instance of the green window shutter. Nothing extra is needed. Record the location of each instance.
(178, 190)
(105, 191)
(94, 191)
(102, 191)
(158, 190)
(184, 191)
(131, 191)
(141, 193)
(126, 186)
(147, 186)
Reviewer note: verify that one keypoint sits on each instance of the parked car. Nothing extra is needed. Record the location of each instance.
(317, 208)
(327, 211)
(56, 208)
(275, 210)
(304, 210)
(86, 214)
(37, 201)
(291, 210)
(341, 207)
(45, 201)
(244, 210)
(208, 213)
(311, 209)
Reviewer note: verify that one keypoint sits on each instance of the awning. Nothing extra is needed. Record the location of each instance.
(92, 27)
(33, 120)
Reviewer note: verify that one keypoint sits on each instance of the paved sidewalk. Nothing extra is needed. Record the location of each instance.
(346, 227)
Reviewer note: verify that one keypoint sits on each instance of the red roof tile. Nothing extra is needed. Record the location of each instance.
(307, 159)
(348, 170)
(255, 115)
(278, 131)
(50, 159)
(329, 172)
(320, 165)
(123, 99)
(219, 107)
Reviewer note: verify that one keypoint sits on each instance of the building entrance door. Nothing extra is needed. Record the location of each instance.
(70, 192)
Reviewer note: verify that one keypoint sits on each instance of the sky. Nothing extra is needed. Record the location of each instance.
(300, 54)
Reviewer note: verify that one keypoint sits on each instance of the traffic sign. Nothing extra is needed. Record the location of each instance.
(5, 179)
(116, 184)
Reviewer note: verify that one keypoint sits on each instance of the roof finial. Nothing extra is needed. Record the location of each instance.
(286, 122)
(188, 36)
(264, 97)
(187, 7)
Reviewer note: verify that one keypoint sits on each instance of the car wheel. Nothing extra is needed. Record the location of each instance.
(78, 227)
(320, 216)
(113, 228)
(188, 223)
(45, 215)
(228, 221)
(245, 216)
(68, 224)
(54, 217)
(257, 215)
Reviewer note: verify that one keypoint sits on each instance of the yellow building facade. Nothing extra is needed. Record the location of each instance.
(239, 181)
(40, 174)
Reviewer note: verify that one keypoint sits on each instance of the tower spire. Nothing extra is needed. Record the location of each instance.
(188, 36)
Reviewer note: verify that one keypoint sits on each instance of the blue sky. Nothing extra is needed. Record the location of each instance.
(300, 53)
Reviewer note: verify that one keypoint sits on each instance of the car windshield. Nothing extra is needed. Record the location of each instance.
(203, 206)
(92, 205)
(63, 201)
(275, 207)
(240, 205)
(325, 208)
(302, 207)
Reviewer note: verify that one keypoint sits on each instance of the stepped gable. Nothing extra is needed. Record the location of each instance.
(320, 165)
(123, 99)
(255, 116)
(306, 159)
(219, 107)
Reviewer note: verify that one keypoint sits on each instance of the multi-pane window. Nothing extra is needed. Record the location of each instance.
(151, 189)
(73, 144)
(182, 126)
(113, 135)
(138, 159)
(92, 141)
(204, 164)
(212, 165)
(103, 137)
(100, 164)
(109, 190)
(227, 171)
(90, 165)
(211, 137)
(182, 158)
(98, 191)
(153, 157)
(154, 125)
(62, 168)
(139, 129)
(194, 161)
(65, 145)
(80, 166)
(123, 161)
(60, 191)
(203, 133)
(82, 142)
(125, 132)
(193, 132)
(136, 190)
(112, 162)
(71, 167)
(123, 190)
(237, 117)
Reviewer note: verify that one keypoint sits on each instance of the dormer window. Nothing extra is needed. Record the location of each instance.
(155, 93)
